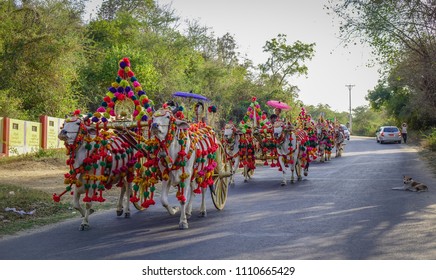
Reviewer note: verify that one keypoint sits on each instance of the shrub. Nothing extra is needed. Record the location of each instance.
(430, 140)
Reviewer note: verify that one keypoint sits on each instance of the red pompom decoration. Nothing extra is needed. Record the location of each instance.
(56, 198)
(180, 115)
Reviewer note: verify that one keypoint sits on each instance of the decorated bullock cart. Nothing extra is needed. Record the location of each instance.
(129, 144)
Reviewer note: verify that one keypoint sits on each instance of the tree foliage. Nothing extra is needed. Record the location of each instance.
(41, 50)
(403, 36)
(366, 120)
(326, 112)
(285, 60)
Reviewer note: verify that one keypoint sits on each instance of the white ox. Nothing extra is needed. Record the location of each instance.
(288, 150)
(321, 139)
(232, 142)
(94, 166)
(339, 139)
(185, 161)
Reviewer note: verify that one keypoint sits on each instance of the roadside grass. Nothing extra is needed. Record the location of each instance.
(427, 141)
(34, 208)
(37, 156)
(430, 158)
(31, 208)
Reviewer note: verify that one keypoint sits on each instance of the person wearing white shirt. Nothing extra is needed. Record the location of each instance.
(404, 132)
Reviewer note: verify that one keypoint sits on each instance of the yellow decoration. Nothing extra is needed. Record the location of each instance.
(124, 108)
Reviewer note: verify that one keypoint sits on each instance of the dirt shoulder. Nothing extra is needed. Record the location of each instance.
(46, 175)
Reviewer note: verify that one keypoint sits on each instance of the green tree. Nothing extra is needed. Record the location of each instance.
(110, 9)
(325, 109)
(285, 60)
(40, 54)
(226, 48)
(366, 121)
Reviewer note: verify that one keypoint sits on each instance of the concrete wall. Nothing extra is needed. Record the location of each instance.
(21, 137)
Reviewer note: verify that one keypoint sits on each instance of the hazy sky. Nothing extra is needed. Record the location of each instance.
(253, 22)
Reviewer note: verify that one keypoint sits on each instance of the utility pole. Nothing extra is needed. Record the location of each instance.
(349, 94)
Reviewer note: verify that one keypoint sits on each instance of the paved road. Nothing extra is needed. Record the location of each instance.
(345, 209)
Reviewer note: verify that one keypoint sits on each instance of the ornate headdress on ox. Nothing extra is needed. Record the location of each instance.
(304, 120)
(253, 117)
(125, 99)
(337, 125)
(321, 123)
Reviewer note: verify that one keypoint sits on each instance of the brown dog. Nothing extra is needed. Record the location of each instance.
(411, 185)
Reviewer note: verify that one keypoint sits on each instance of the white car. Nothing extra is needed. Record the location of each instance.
(346, 131)
(388, 134)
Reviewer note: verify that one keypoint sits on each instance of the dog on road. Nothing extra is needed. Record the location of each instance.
(412, 185)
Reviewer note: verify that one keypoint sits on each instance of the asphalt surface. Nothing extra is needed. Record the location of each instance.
(345, 209)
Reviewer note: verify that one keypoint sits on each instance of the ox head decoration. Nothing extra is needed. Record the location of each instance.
(69, 131)
(281, 127)
(319, 128)
(278, 128)
(164, 123)
(229, 132)
(74, 129)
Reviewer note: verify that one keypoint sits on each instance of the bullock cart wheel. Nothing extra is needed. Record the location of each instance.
(138, 205)
(221, 176)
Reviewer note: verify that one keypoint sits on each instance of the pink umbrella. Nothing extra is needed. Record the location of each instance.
(278, 104)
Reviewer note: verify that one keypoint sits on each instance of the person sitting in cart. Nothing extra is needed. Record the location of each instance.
(273, 118)
(199, 112)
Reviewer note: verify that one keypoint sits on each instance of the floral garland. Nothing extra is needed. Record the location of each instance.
(147, 174)
(204, 139)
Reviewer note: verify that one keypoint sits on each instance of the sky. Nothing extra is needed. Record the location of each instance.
(253, 22)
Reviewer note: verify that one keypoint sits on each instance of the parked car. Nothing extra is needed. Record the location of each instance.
(388, 134)
(346, 131)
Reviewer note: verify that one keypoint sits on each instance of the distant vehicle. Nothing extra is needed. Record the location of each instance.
(346, 131)
(388, 134)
